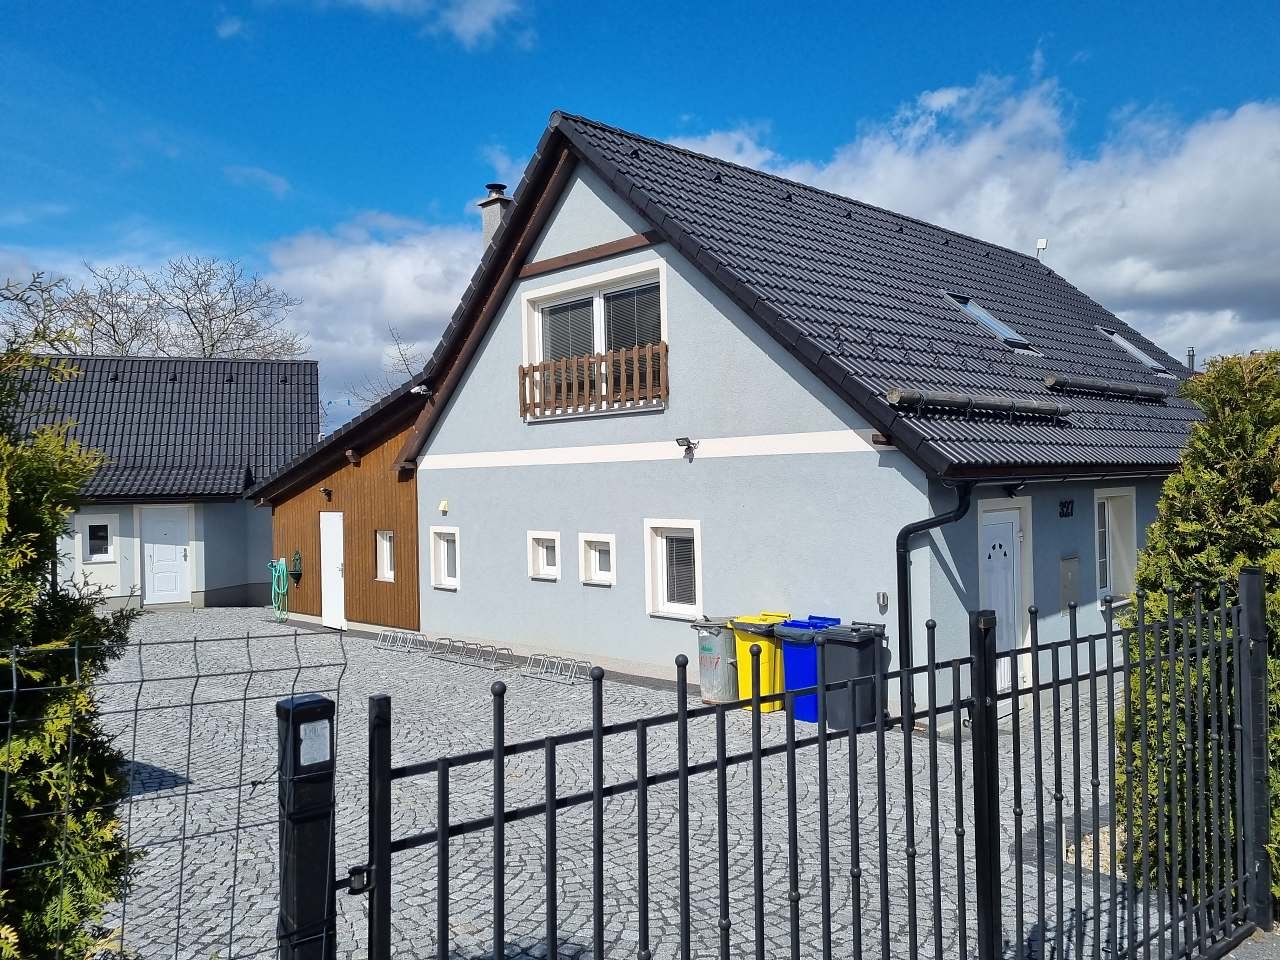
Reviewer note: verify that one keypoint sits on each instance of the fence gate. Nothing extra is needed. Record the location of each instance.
(1112, 803)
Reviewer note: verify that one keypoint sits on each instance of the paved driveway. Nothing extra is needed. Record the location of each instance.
(208, 889)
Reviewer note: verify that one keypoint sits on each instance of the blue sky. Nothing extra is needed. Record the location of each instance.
(339, 146)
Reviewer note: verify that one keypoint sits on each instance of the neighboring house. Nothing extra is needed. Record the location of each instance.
(678, 387)
(349, 510)
(164, 520)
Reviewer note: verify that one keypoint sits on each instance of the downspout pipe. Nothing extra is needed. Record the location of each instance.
(964, 496)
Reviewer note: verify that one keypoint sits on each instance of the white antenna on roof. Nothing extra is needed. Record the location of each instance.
(1041, 246)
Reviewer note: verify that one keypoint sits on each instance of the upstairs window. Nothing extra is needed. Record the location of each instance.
(568, 330)
(632, 318)
(1148, 361)
(980, 313)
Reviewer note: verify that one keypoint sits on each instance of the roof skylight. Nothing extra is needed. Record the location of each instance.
(1145, 359)
(980, 313)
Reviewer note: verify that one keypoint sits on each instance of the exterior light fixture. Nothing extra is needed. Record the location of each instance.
(326, 492)
(688, 446)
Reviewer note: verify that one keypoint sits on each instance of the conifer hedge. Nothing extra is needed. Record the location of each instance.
(1218, 513)
(60, 870)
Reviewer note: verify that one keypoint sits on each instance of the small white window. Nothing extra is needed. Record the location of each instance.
(446, 562)
(385, 545)
(597, 557)
(1115, 541)
(544, 555)
(673, 568)
(99, 539)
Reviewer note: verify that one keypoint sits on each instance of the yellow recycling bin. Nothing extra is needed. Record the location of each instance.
(758, 628)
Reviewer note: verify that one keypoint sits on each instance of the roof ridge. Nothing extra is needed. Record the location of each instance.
(162, 359)
(794, 183)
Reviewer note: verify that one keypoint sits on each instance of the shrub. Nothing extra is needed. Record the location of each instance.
(1218, 513)
(64, 855)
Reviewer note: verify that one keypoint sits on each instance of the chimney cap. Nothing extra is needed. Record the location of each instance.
(496, 189)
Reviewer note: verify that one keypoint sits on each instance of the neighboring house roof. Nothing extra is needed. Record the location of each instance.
(856, 293)
(180, 428)
(381, 419)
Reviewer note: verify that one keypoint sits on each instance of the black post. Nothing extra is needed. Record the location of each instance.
(1256, 819)
(986, 785)
(380, 827)
(305, 929)
(499, 690)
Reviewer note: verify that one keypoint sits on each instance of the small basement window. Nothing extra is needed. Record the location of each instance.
(445, 561)
(1148, 361)
(544, 555)
(385, 546)
(673, 568)
(980, 313)
(98, 542)
(597, 559)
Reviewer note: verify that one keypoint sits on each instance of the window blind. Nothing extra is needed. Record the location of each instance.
(680, 569)
(632, 318)
(568, 330)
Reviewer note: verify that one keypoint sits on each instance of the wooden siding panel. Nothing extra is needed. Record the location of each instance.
(371, 495)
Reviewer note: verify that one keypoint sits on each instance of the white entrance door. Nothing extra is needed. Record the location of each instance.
(166, 549)
(999, 582)
(333, 604)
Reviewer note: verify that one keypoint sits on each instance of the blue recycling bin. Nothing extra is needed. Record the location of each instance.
(800, 659)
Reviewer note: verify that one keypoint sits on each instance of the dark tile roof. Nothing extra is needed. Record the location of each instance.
(397, 405)
(181, 427)
(855, 292)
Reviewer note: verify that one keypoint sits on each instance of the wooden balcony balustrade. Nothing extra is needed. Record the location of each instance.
(626, 379)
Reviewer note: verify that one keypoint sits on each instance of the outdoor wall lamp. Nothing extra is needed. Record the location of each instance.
(688, 446)
(326, 492)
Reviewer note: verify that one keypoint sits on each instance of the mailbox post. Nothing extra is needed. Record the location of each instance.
(305, 929)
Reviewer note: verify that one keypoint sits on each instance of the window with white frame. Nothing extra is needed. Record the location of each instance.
(614, 310)
(446, 562)
(385, 548)
(597, 559)
(673, 567)
(99, 540)
(544, 554)
(1115, 541)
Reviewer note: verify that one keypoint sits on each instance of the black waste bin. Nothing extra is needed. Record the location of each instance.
(854, 650)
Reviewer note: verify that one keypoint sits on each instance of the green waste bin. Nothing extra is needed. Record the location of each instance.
(717, 667)
(854, 650)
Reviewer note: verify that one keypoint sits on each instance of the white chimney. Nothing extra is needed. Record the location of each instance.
(492, 209)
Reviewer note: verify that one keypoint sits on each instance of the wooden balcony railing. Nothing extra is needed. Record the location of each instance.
(628, 379)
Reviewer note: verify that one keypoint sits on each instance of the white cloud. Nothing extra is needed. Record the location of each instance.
(1174, 226)
(471, 22)
(229, 27)
(364, 276)
(24, 214)
(243, 176)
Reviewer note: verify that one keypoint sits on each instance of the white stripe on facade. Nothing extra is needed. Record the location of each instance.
(713, 448)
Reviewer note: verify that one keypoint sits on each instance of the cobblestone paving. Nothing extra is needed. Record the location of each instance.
(212, 894)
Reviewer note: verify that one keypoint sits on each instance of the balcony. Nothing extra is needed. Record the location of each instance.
(634, 378)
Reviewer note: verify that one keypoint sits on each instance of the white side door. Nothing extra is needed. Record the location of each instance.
(999, 582)
(333, 600)
(166, 554)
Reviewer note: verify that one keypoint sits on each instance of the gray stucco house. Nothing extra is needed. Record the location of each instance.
(164, 521)
(678, 387)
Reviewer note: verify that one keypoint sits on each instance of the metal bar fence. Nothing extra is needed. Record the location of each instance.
(1099, 785)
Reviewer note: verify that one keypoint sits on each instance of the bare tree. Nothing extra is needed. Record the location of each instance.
(34, 314)
(403, 360)
(192, 307)
(116, 314)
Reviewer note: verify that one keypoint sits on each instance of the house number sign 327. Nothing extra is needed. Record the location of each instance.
(1066, 508)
